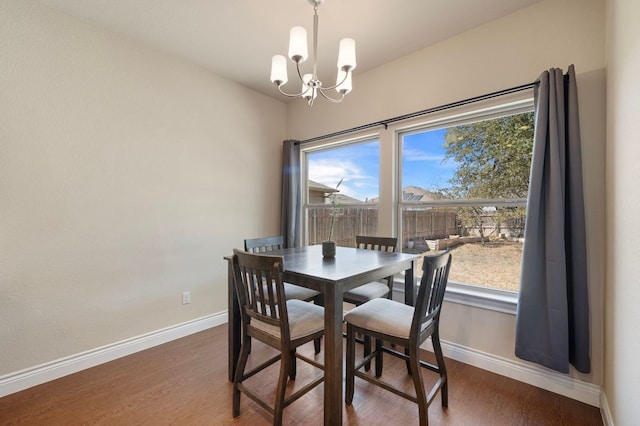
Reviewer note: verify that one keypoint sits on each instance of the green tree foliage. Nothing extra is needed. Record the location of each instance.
(494, 159)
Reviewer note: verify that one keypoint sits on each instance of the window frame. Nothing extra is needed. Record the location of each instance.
(462, 293)
(390, 196)
(305, 205)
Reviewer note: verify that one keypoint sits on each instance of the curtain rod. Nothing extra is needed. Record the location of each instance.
(386, 122)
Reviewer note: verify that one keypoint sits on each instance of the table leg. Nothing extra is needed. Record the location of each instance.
(233, 323)
(409, 287)
(333, 355)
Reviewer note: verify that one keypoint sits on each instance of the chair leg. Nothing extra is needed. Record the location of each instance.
(316, 345)
(406, 352)
(421, 395)
(350, 364)
(285, 370)
(437, 350)
(292, 369)
(367, 351)
(242, 363)
(378, 357)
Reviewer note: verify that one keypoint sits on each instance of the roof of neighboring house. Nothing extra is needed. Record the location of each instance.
(415, 193)
(345, 199)
(340, 198)
(318, 187)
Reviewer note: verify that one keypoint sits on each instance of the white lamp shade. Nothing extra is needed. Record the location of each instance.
(306, 88)
(347, 54)
(343, 87)
(279, 69)
(298, 45)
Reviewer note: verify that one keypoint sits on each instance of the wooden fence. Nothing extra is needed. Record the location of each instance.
(417, 225)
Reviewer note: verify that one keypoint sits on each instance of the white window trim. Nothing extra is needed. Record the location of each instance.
(491, 299)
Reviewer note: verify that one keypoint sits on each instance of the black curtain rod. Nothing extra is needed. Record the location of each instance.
(386, 122)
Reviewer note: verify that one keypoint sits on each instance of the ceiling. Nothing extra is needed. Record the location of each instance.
(236, 38)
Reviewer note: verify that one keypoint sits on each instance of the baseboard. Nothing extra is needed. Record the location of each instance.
(530, 374)
(536, 376)
(23, 379)
(605, 411)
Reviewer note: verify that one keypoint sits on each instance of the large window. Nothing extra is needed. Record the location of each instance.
(457, 181)
(464, 188)
(347, 174)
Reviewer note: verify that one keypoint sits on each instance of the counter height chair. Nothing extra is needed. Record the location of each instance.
(403, 325)
(373, 290)
(279, 323)
(376, 289)
(266, 245)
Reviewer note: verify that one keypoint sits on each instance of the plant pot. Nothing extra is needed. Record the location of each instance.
(328, 248)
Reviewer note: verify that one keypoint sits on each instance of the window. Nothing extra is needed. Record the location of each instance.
(464, 187)
(454, 179)
(351, 172)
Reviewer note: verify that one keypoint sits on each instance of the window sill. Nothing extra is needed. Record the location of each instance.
(480, 297)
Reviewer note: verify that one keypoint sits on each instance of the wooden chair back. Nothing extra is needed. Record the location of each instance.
(264, 244)
(435, 275)
(387, 244)
(258, 280)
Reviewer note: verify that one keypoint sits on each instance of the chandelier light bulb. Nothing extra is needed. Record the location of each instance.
(298, 45)
(343, 82)
(279, 70)
(347, 54)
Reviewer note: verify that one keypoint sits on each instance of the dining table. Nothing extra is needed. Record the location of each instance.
(331, 276)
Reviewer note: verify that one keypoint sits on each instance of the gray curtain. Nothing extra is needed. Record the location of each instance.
(552, 323)
(291, 198)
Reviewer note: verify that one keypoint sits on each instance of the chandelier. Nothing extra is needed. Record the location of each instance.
(298, 53)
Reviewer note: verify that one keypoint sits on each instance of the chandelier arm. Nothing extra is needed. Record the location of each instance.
(346, 75)
(294, 95)
(299, 72)
(329, 98)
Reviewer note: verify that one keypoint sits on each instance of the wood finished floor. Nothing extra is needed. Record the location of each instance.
(184, 382)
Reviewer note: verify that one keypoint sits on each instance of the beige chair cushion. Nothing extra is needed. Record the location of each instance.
(304, 318)
(292, 291)
(366, 292)
(383, 316)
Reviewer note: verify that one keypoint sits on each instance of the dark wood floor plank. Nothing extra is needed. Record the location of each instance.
(184, 382)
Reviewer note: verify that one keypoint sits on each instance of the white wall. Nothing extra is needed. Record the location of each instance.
(504, 53)
(622, 370)
(125, 177)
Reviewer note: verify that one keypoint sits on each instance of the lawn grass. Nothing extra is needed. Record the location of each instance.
(493, 264)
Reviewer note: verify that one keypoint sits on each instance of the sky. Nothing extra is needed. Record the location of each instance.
(422, 165)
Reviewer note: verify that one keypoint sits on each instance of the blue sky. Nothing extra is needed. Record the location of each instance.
(359, 165)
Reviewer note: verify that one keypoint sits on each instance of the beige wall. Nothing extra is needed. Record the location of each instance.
(125, 177)
(507, 52)
(622, 369)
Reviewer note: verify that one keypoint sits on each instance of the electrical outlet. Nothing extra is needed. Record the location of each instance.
(186, 297)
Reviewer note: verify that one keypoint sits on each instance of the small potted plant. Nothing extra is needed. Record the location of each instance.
(329, 246)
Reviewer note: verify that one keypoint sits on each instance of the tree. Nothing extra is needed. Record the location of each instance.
(494, 159)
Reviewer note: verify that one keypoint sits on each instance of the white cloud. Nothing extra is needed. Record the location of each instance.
(356, 182)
